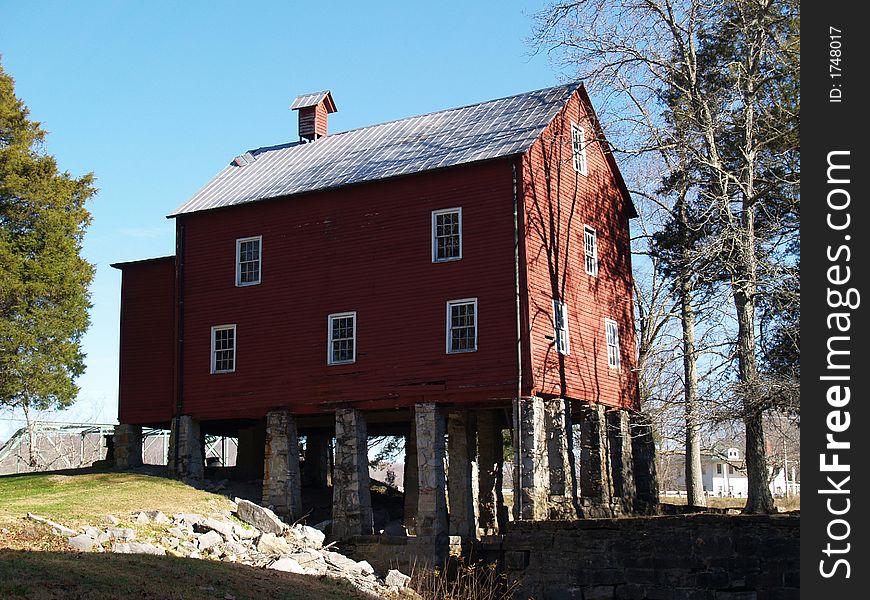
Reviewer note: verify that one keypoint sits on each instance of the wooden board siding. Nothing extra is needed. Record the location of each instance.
(558, 202)
(147, 352)
(364, 248)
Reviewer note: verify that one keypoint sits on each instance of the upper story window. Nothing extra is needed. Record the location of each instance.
(560, 325)
(462, 325)
(223, 349)
(446, 234)
(718, 468)
(612, 334)
(342, 338)
(248, 258)
(590, 250)
(578, 148)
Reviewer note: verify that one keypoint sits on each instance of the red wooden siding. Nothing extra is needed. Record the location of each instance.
(147, 355)
(558, 202)
(367, 249)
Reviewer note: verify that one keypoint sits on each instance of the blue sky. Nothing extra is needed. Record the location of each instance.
(156, 97)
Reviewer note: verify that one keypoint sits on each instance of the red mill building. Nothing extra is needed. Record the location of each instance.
(461, 273)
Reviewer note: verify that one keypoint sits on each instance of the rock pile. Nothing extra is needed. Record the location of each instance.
(257, 537)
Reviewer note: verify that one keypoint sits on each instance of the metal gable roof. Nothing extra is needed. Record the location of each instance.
(451, 137)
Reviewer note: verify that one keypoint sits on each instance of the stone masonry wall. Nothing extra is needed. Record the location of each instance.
(703, 557)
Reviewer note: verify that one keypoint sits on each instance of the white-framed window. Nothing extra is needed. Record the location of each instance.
(446, 234)
(248, 260)
(718, 468)
(223, 348)
(590, 250)
(560, 325)
(612, 336)
(578, 148)
(342, 338)
(462, 325)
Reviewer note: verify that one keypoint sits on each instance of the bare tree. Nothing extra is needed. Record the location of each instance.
(699, 77)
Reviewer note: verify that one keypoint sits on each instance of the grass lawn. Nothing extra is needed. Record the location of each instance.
(36, 564)
(84, 499)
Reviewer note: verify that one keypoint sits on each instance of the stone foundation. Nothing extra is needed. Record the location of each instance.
(127, 446)
(710, 557)
(461, 473)
(431, 504)
(532, 500)
(490, 460)
(621, 460)
(561, 488)
(351, 494)
(643, 458)
(185, 449)
(596, 488)
(282, 482)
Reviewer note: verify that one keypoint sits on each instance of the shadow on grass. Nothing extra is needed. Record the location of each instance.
(44, 575)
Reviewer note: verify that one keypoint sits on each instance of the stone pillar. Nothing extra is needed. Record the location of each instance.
(557, 424)
(490, 459)
(531, 500)
(595, 480)
(317, 472)
(351, 491)
(644, 460)
(621, 461)
(461, 467)
(411, 482)
(250, 457)
(186, 460)
(431, 504)
(127, 446)
(282, 482)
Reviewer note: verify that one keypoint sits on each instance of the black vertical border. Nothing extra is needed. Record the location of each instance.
(829, 126)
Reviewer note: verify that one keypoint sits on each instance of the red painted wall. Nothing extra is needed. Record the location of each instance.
(147, 354)
(367, 249)
(558, 201)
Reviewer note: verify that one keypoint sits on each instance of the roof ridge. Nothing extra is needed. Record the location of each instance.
(575, 84)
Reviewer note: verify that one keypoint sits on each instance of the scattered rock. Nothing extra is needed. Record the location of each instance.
(269, 543)
(124, 534)
(365, 567)
(340, 561)
(261, 518)
(288, 565)
(157, 516)
(137, 548)
(243, 533)
(141, 518)
(307, 537)
(56, 528)
(82, 542)
(207, 540)
(396, 579)
(222, 527)
(111, 520)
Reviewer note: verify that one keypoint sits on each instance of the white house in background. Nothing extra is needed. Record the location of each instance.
(724, 474)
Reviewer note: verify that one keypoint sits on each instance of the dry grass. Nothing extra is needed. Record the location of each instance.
(50, 575)
(83, 499)
(477, 581)
(36, 564)
(783, 504)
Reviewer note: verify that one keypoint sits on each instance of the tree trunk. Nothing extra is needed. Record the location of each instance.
(758, 498)
(694, 480)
